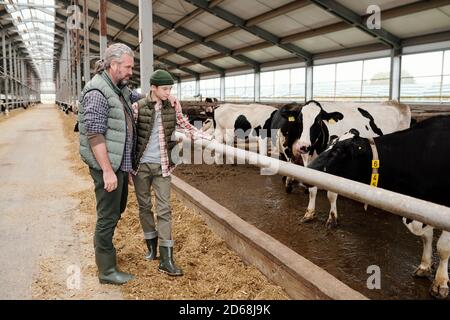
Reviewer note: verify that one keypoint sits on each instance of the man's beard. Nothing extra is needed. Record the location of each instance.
(122, 83)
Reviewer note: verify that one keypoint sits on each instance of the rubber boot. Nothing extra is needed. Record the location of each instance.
(107, 270)
(152, 245)
(166, 263)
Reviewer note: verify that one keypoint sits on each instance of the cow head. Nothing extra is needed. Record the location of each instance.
(348, 156)
(312, 122)
(291, 128)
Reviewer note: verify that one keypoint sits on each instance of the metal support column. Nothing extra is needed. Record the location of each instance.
(103, 27)
(11, 76)
(146, 43)
(308, 83)
(5, 69)
(87, 65)
(222, 88)
(396, 65)
(257, 86)
(197, 86)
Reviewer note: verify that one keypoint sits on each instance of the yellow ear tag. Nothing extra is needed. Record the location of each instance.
(331, 121)
(291, 119)
(375, 164)
(374, 180)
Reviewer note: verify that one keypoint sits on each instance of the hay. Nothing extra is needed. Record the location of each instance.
(212, 271)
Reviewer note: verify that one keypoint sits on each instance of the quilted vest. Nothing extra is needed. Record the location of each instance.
(145, 125)
(116, 132)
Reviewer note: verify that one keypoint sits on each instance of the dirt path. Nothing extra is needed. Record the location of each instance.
(42, 254)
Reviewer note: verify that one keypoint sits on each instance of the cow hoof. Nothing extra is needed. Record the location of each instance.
(331, 223)
(423, 272)
(309, 216)
(439, 289)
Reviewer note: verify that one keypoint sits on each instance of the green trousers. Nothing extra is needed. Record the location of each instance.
(150, 176)
(110, 206)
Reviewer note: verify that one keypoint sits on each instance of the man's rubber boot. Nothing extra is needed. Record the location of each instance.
(107, 271)
(152, 245)
(166, 263)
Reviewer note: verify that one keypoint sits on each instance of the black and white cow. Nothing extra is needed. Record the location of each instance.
(231, 120)
(407, 166)
(308, 132)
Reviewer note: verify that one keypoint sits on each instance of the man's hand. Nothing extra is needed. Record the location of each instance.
(109, 181)
(135, 108)
(130, 179)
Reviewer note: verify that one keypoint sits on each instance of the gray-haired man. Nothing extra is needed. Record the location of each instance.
(107, 139)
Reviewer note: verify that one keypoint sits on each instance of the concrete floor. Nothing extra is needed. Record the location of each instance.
(36, 209)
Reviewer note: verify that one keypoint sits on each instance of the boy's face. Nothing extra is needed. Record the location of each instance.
(161, 92)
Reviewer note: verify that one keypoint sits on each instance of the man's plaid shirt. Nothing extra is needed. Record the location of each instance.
(96, 122)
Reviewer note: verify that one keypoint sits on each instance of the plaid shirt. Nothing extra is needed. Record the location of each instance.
(183, 123)
(96, 122)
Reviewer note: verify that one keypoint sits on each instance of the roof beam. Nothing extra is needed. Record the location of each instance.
(295, 5)
(127, 28)
(257, 31)
(194, 59)
(385, 15)
(357, 21)
(186, 33)
(187, 18)
(200, 40)
(289, 7)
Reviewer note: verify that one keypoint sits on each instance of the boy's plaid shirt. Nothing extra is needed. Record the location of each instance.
(183, 123)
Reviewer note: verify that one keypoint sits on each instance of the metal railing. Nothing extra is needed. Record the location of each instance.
(427, 212)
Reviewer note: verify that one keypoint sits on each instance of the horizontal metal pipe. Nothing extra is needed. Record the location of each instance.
(427, 212)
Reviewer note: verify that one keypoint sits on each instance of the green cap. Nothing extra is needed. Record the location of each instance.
(161, 78)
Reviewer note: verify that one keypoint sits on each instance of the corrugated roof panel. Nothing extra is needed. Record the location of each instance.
(227, 63)
(251, 8)
(361, 6)
(313, 17)
(118, 14)
(431, 21)
(178, 59)
(126, 37)
(156, 27)
(238, 39)
(446, 10)
(282, 25)
(206, 24)
(199, 68)
(172, 10)
(318, 44)
(158, 51)
(202, 51)
(350, 37)
(175, 39)
(269, 54)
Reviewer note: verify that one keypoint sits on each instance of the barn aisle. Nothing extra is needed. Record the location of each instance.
(40, 249)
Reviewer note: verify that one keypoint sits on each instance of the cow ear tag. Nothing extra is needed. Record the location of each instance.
(291, 119)
(331, 121)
